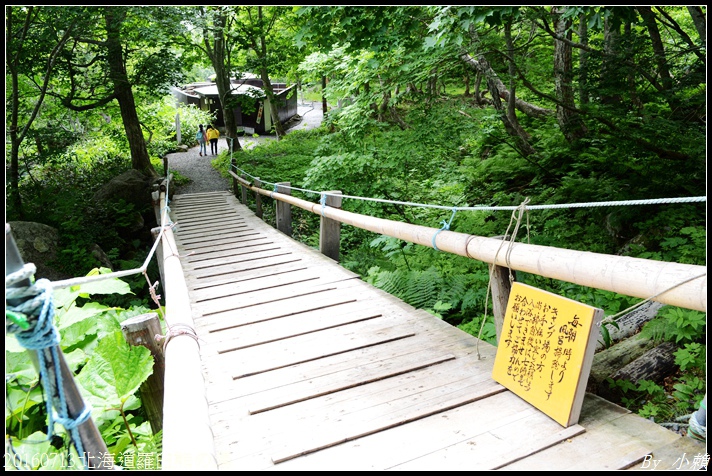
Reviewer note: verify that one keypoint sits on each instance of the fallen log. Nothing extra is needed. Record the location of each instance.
(609, 361)
(654, 365)
(631, 323)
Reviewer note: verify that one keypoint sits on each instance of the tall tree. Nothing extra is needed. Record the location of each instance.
(34, 39)
(121, 48)
(218, 44)
(258, 29)
(566, 113)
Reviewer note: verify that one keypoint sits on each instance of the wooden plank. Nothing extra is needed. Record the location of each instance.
(294, 266)
(682, 454)
(242, 241)
(615, 439)
(254, 386)
(289, 280)
(304, 426)
(308, 347)
(275, 258)
(215, 254)
(498, 446)
(289, 326)
(223, 315)
(386, 415)
(209, 245)
(400, 445)
(336, 383)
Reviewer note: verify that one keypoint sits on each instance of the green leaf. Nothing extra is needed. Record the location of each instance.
(64, 297)
(77, 314)
(116, 370)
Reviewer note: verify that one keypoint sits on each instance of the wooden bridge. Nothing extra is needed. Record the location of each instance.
(297, 364)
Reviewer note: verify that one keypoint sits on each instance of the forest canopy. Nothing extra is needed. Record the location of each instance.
(449, 105)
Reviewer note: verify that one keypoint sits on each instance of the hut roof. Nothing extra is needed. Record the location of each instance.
(242, 89)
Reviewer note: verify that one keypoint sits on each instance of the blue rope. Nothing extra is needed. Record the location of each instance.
(446, 226)
(272, 192)
(40, 337)
(322, 200)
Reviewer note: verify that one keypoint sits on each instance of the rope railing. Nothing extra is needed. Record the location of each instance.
(636, 277)
(652, 201)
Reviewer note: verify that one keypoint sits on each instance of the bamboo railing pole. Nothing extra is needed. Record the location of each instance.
(96, 454)
(187, 435)
(678, 284)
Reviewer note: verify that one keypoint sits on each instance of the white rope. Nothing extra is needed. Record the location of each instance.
(653, 201)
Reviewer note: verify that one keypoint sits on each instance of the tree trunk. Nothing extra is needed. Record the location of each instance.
(140, 161)
(698, 18)
(610, 68)
(479, 100)
(323, 96)
(273, 106)
(217, 54)
(512, 96)
(584, 97)
(570, 121)
(493, 83)
(482, 66)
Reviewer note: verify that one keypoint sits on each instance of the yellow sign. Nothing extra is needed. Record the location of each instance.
(546, 349)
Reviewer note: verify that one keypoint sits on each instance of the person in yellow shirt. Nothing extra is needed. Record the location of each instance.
(213, 134)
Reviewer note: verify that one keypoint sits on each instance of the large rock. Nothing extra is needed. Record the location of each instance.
(131, 186)
(38, 244)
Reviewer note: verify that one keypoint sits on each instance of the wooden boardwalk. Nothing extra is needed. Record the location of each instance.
(309, 368)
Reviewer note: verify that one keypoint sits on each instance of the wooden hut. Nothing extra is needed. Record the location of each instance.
(253, 113)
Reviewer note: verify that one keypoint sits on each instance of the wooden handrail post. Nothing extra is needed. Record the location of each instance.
(142, 330)
(159, 252)
(258, 198)
(284, 209)
(501, 287)
(330, 230)
(233, 166)
(95, 451)
(244, 190)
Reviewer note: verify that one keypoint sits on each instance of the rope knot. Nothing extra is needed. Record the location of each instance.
(446, 226)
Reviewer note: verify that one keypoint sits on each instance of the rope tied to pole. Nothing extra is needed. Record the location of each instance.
(322, 200)
(446, 226)
(176, 330)
(36, 331)
(517, 219)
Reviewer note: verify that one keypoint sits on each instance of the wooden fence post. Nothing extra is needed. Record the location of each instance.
(284, 210)
(330, 230)
(159, 252)
(244, 190)
(142, 330)
(501, 286)
(233, 165)
(258, 198)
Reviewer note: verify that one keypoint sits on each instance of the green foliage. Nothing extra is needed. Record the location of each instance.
(691, 356)
(677, 325)
(108, 373)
